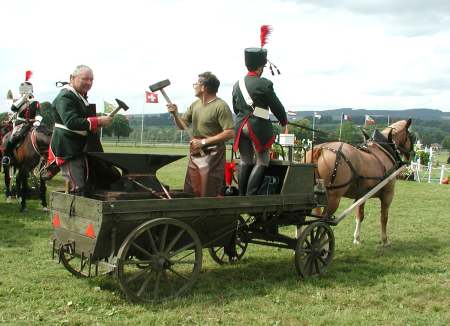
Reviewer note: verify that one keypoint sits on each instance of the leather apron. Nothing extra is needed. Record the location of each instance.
(205, 174)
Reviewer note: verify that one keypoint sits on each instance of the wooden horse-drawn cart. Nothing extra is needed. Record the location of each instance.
(151, 237)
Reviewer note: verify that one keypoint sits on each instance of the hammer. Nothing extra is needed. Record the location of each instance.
(160, 87)
(121, 105)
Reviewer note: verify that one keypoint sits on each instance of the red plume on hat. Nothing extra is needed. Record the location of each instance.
(28, 74)
(265, 32)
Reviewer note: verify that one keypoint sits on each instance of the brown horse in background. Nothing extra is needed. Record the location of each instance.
(351, 172)
(31, 152)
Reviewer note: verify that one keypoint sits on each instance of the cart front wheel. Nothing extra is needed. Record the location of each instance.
(315, 249)
(75, 264)
(159, 260)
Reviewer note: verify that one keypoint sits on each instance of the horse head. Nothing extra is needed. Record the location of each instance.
(43, 138)
(398, 133)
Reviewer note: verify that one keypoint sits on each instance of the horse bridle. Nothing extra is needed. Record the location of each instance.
(399, 148)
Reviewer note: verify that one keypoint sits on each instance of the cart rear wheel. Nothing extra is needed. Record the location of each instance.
(315, 249)
(159, 260)
(219, 254)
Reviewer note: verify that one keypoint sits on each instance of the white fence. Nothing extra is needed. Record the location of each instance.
(429, 173)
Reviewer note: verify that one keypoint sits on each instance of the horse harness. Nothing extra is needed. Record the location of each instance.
(385, 147)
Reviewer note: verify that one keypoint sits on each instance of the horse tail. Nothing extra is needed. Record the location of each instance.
(314, 155)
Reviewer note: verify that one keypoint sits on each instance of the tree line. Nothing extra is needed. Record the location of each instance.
(161, 128)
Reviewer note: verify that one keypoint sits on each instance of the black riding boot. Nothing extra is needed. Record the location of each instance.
(8, 154)
(255, 180)
(244, 173)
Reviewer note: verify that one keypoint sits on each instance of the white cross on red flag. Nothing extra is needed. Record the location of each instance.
(151, 97)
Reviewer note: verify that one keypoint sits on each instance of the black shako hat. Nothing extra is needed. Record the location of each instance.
(255, 57)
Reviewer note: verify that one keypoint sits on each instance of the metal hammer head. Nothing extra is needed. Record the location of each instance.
(160, 85)
(61, 83)
(122, 104)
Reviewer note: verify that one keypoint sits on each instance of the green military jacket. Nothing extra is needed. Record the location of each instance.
(73, 113)
(263, 95)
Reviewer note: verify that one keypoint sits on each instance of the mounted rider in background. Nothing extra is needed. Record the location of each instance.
(25, 109)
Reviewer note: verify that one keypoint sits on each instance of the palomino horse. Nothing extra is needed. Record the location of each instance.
(351, 172)
(32, 151)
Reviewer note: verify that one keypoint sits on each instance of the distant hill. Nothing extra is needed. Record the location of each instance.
(423, 114)
(164, 119)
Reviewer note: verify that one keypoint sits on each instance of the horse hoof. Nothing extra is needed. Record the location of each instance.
(356, 242)
(386, 244)
(9, 200)
(45, 209)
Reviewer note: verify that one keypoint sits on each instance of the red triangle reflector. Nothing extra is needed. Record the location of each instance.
(90, 231)
(56, 223)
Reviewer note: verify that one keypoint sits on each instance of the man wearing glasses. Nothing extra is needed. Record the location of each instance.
(212, 125)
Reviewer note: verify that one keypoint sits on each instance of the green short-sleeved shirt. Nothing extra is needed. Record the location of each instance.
(209, 119)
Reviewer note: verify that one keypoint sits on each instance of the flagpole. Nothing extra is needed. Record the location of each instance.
(142, 122)
(314, 123)
(388, 120)
(340, 128)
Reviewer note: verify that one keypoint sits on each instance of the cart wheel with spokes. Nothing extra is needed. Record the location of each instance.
(77, 265)
(159, 260)
(314, 250)
(221, 256)
(81, 265)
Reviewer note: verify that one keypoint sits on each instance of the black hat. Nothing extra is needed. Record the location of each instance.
(255, 57)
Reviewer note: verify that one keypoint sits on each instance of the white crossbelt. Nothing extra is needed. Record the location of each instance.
(18, 119)
(79, 132)
(70, 88)
(257, 111)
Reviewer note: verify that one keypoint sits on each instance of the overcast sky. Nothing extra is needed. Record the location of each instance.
(380, 54)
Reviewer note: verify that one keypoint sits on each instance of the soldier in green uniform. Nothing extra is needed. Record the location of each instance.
(253, 96)
(72, 125)
(212, 126)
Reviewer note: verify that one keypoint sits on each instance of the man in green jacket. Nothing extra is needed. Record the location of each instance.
(253, 96)
(73, 123)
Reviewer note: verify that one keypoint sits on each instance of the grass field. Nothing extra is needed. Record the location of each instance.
(407, 283)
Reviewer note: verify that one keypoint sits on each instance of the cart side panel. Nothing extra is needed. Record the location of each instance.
(299, 178)
(211, 218)
(79, 221)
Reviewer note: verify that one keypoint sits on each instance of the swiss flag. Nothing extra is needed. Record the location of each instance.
(151, 97)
